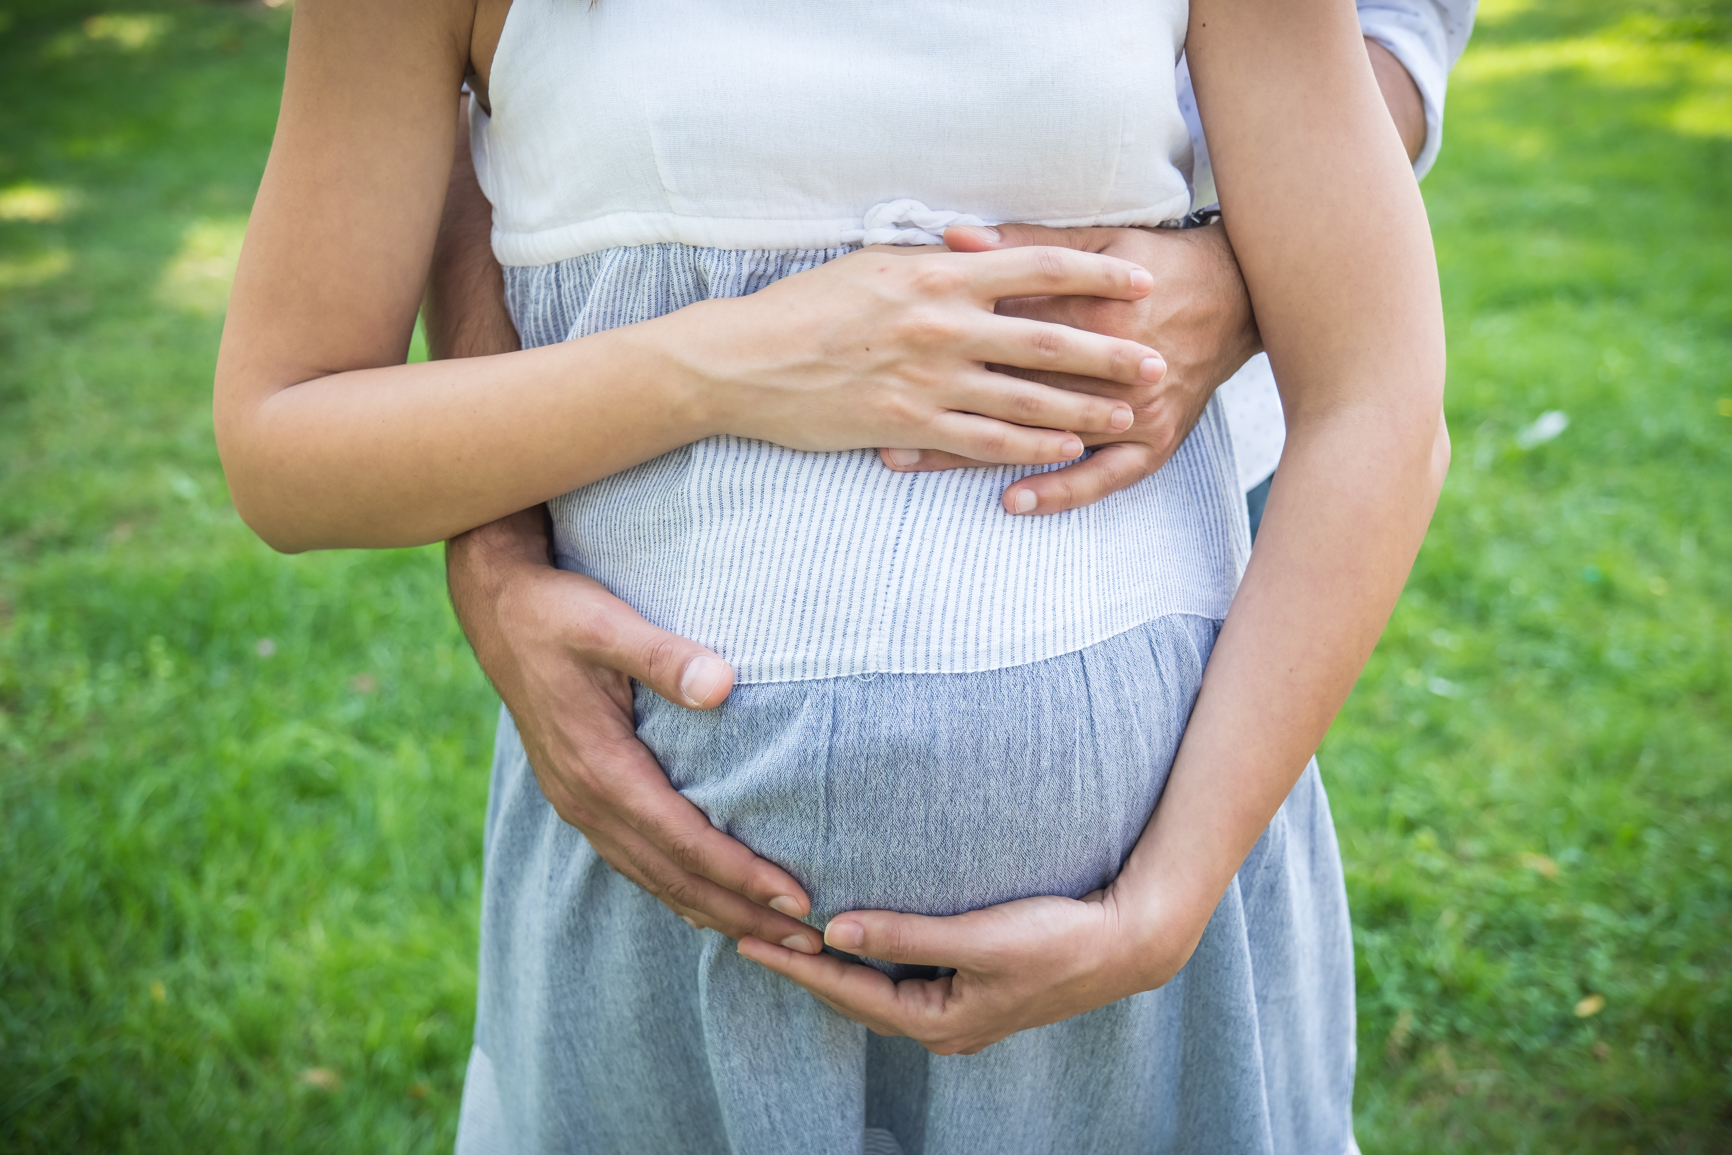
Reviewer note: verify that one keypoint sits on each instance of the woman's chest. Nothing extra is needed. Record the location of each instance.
(752, 110)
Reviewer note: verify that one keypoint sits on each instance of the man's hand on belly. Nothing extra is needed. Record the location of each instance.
(563, 652)
(1198, 317)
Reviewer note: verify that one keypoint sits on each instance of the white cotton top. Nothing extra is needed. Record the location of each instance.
(781, 124)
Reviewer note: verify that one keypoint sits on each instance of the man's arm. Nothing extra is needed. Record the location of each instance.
(563, 652)
(1425, 37)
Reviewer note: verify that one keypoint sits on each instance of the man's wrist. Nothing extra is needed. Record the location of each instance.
(1239, 340)
(482, 561)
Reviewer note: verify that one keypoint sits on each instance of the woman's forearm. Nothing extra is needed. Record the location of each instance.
(410, 454)
(1330, 231)
(327, 439)
(1344, 520)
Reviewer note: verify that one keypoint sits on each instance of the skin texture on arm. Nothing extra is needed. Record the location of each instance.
(1353, 323)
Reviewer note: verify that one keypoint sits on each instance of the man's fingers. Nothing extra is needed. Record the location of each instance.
(1108, 470)
(682, 834)
(680, 670)
(697, 899)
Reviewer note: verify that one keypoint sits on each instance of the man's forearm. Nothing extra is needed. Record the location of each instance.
(464, 309)
(1400, 96)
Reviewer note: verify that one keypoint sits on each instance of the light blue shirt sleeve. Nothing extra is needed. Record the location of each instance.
(1427, 36)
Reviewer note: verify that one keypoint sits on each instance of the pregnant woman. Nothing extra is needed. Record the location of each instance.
(944, 711)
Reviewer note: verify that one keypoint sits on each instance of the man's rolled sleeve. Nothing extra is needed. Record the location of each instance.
(1427, 36)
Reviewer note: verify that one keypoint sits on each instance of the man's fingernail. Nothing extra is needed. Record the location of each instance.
(703, 677)
(845, 935)
(1072, 448)
(782, 904)
(689, 922)
(1122, 418)
(1023, 501)
(903, 457)
(988, 230)
(1151, 369)
(798, 942)
(1141, 280)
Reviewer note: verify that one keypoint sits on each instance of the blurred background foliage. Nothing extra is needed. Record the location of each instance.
(241, 794)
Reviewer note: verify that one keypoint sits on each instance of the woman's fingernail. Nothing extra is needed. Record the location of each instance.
(798, 942)
(1152, 368)
(704, 676)
(689, 922)
(1023, 501)
(987, 231)
(1141, 281)
(782, 904)
(903, 457)
(1072, 448)
(1122, 418)
(845, 935)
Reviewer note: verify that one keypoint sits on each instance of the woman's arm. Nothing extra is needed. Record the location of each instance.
(1352, 321)
(329, 440)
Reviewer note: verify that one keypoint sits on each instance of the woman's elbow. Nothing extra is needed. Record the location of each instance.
(254, 491)
(1439, 455)
(266, 517)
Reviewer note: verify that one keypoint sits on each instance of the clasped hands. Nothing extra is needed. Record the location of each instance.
(563, 653)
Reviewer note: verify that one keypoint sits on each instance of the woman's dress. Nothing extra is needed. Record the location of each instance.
(939, 706)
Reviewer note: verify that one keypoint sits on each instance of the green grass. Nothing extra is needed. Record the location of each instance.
(226, 863)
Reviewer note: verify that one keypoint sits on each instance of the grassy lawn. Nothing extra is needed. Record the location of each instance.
(241, 795)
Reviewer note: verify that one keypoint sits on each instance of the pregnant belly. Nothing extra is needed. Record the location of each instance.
(938, 794)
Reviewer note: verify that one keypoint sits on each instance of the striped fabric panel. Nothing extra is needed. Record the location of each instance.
(797, 565)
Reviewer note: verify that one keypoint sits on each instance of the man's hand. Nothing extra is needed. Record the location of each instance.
(562, 652)
(1198, 317)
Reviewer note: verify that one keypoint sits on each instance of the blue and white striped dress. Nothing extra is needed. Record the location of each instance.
(940, 706)
(797, 565)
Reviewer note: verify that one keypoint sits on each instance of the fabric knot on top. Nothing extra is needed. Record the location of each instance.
(906, 222)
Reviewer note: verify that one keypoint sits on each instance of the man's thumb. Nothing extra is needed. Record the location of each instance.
(677, 668)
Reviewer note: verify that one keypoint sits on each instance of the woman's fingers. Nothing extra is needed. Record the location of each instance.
(1037, 406)
(1048, 347)
(999, 442)
(867, 996)
(986, 239)
(914, 939)
(1049, 271)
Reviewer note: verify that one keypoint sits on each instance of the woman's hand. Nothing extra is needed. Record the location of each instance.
(889, 347)
(1018, 965)
(1198, 316)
